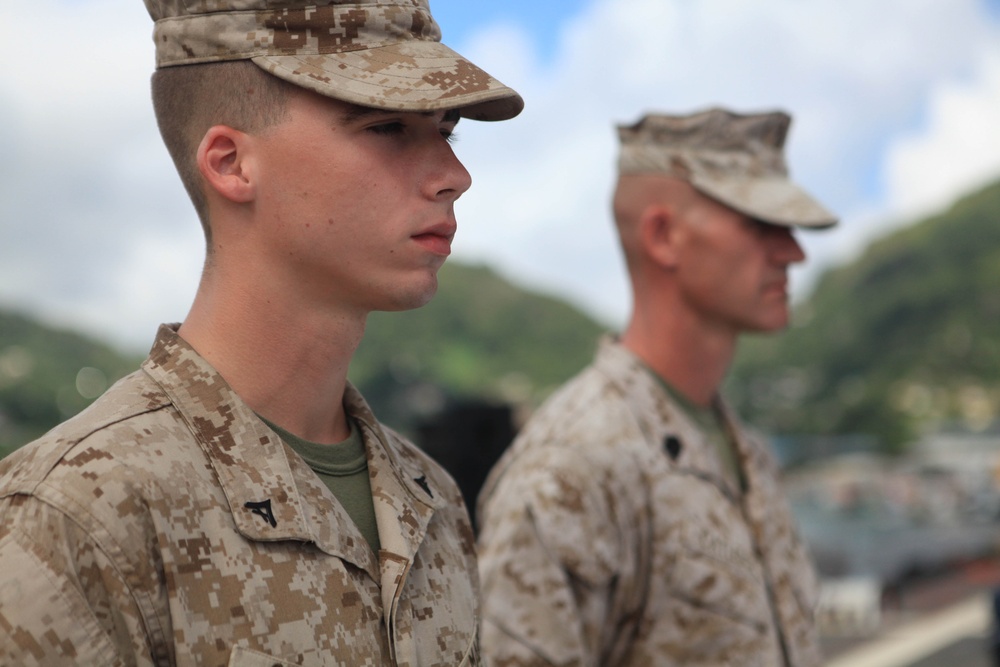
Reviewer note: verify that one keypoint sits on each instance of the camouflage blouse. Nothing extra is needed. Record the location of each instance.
(167, 525)
(611, 535)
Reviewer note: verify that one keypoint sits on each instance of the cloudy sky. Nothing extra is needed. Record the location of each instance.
(896, 106)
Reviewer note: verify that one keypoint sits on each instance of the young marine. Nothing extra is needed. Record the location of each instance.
(635, 521)
(235, 501)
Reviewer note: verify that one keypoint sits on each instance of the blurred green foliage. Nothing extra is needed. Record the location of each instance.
(903, 340)
(47, 375)
(479, 337)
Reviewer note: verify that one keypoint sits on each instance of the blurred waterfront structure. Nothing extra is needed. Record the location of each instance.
(880, 526)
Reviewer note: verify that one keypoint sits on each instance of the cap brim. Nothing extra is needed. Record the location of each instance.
(773, 200)
(416, 75)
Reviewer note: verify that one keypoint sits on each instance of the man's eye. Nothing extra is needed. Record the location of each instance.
(388, 128)
(449, 135)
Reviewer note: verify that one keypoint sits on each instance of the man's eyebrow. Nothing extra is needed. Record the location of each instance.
(356, 112)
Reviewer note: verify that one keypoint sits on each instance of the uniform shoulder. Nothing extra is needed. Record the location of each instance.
(564, 492)
(588, 417)
(86, 438)
(580, 452)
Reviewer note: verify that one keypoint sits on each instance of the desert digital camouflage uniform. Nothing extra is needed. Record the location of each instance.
(167, 525)
(613, 536)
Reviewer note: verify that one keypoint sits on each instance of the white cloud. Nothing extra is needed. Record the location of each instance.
(893, 104)
(956, 149)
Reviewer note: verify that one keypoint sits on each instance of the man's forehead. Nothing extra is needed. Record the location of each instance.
(354, 113)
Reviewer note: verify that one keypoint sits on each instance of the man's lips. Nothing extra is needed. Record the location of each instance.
(437, 239)
(778, 287)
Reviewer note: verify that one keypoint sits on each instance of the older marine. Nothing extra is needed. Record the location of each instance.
(635, 520)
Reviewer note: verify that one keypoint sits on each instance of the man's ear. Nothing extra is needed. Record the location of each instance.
(225, 163)
(658, 235)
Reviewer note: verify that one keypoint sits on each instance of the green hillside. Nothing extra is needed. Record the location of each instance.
(47, 375)
(903, 339)
(481, 337)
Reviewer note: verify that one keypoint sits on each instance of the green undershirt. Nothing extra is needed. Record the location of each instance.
(711, 422)
(343, 467)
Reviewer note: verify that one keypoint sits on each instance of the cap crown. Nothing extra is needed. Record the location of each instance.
(737, 159)
(378, 53)
(716, 142)
(195, 31)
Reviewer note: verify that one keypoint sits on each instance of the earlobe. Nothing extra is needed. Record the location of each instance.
(223, 160)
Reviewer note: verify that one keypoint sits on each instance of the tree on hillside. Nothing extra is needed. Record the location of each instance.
(903, 339)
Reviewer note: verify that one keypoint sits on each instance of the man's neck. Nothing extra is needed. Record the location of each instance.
(692, 360)
(288, 367)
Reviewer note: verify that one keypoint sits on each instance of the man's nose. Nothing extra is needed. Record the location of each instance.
(785, 248)
(452, 179)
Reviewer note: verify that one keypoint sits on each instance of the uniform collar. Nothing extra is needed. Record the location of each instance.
(405, 496)
(272, 493)
(663, 420)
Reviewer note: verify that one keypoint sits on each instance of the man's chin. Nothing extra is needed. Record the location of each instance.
(768, 326)
(411, 300)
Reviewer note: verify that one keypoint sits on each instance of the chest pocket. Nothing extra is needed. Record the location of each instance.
(705, 552)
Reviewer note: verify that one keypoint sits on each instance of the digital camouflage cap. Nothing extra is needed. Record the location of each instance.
(736, 159)
(376, 53)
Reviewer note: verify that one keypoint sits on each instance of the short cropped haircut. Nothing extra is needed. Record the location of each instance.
(190, 99)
